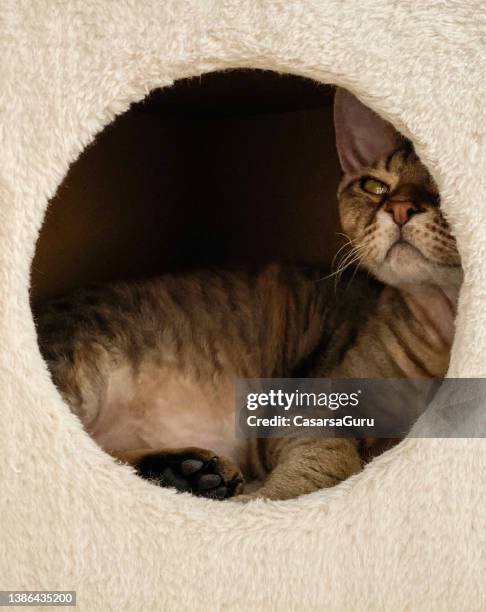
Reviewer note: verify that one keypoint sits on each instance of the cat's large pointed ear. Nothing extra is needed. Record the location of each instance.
(362, 137)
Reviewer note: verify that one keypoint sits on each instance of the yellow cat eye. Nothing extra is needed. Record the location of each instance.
(374, 186)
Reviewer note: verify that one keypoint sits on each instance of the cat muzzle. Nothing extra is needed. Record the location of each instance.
(402, 210)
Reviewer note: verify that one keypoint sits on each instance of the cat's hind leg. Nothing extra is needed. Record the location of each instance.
(195, 470)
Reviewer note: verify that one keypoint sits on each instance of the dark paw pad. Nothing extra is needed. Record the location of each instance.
(201, 474)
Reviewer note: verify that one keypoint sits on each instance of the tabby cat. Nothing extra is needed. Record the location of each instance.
(150, 367)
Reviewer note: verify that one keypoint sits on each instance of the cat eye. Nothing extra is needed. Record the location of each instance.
(374, 186)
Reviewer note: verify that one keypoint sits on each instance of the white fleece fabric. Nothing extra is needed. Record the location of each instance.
(409, 532)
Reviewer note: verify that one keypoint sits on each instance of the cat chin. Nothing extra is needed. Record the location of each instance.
(411, 268)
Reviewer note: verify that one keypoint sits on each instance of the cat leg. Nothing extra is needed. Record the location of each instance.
(195, 470)
(303, 465)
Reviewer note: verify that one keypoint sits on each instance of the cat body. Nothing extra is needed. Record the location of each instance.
(143, 372)
(150, 368)
(154, 364)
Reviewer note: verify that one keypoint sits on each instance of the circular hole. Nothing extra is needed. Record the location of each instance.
(231, 169)
(234, 167)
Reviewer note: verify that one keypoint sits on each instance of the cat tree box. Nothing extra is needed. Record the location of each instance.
(99, 183)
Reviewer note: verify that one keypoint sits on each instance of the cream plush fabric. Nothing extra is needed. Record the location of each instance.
(408, 533)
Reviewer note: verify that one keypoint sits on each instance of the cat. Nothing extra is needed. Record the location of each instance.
(150, 367)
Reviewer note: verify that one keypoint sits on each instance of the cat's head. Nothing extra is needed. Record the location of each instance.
(388, 202)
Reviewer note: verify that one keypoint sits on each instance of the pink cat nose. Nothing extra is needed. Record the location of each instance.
(402, 210)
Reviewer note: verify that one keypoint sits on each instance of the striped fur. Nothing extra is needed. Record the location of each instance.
(152, 365)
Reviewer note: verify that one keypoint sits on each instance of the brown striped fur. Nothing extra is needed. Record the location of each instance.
(153, 365)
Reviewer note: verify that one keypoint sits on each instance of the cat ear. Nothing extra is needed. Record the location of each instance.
(362, 137)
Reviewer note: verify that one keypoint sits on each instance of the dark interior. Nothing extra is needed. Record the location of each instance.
(234, 167)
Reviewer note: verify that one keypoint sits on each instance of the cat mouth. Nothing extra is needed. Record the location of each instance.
(402, 246)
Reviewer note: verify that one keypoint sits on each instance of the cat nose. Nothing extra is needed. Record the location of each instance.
(402, 210)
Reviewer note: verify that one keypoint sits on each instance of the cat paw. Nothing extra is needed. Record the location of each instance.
(196, 471)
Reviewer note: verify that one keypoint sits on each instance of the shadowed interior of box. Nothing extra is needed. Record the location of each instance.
(230, 168)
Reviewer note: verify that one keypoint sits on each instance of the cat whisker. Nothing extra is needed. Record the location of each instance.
(358, 260)
(355, 255)
(346, 261)
(355, 270)
(348, 244)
